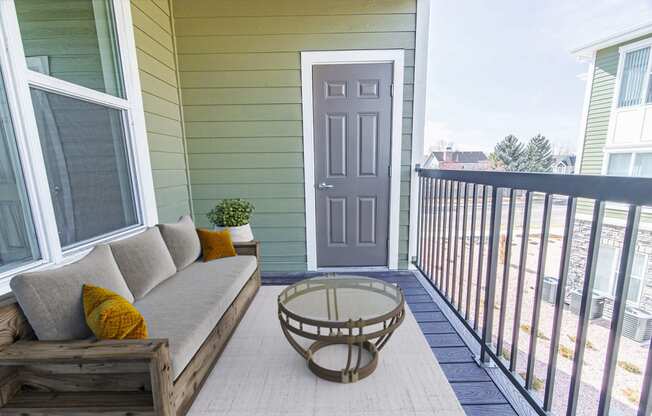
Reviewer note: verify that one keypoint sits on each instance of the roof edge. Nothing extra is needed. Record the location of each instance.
(587, 50)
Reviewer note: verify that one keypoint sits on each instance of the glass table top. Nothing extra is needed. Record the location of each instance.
(338, 298)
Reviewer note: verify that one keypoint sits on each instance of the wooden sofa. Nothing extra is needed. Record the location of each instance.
(131, 377)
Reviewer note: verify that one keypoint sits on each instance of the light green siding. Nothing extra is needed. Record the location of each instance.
(239, 64)
(153, 33)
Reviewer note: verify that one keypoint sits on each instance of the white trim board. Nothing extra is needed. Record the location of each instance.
(419, 113)
(308, 60)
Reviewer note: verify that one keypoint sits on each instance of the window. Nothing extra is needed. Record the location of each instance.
(630, 164)
(88, 170)
(73, 41)
(633, 77)
(606, 275)
(75, 170)
(18, 243)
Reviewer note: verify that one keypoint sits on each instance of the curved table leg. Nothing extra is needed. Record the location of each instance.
(346, 375)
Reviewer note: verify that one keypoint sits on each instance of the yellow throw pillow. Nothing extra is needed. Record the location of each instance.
(215, 244)
(110, 316)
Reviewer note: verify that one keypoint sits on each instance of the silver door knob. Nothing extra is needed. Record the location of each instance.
(324, 185)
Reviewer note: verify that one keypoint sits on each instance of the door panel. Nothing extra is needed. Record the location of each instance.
(352, 130)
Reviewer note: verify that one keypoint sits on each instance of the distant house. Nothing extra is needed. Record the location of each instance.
(457, 160)
(564, 164)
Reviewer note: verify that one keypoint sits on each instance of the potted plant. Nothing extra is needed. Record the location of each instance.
(234, 215)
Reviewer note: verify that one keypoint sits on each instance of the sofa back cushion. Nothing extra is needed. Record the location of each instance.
(144, 261)
(182, 240)
(52, 299)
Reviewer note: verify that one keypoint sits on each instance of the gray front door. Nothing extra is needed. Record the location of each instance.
(352, 122)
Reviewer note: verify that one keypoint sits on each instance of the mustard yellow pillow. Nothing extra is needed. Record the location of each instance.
(215, 244)
(110, 316)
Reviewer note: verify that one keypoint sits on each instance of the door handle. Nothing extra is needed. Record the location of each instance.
(324, 185)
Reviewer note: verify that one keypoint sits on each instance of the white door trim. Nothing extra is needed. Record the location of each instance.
(308, 60)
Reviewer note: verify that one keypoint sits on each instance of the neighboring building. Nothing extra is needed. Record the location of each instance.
(457, 160)
(564, 164)
(616, 139)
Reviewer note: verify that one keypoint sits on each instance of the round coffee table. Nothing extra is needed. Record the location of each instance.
(359, 312)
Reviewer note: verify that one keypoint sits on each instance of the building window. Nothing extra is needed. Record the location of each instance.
(630, 164)
(70, 75)
(633, 77)
(18, 244)
(86, 160)
(606, 275)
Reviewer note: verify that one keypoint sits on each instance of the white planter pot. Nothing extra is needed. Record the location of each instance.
(239, 234)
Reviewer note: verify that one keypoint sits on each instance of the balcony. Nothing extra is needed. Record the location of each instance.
(517, 259)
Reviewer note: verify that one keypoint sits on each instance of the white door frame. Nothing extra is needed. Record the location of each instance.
(308, 60)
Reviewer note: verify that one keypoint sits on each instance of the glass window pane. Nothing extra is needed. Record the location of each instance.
(18, 244)
(87, 166)
(73, 40)
(619, 164)
(634, 292)
(633, 77)
(605, 270)
(643, 165)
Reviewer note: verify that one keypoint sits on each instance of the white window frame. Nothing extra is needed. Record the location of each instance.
(633, 151)
(613, 277)
(18, 79)
(623, 51)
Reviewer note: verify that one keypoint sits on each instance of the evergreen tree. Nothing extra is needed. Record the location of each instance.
(508, 154)
(538, 155)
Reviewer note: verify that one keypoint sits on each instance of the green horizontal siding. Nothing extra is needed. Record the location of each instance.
(161, 101)
(239, 66)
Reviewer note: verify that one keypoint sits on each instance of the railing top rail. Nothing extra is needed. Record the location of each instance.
(627, 190)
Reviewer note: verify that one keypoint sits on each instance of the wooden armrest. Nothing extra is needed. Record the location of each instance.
(248, 248)
(67, 352)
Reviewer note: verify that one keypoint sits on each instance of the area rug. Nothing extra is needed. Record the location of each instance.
(259, 374)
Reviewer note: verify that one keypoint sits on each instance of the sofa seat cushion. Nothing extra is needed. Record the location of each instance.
(52, 299)
(144, 261)
(186, 307)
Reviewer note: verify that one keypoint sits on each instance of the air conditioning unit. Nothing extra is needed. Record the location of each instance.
(597, 304)
(550, 289)
(637, 324)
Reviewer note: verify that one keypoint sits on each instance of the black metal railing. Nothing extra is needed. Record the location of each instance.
(463, 238)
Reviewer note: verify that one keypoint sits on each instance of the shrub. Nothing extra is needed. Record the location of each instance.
(629, 367)
(231, 213)
(566, 352)
(631, 394)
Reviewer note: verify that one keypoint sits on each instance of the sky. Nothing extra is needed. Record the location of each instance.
(504, 67)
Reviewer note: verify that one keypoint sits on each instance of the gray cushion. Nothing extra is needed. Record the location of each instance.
(52, 299)
(144, 261)
(185, 308)
(182, 241)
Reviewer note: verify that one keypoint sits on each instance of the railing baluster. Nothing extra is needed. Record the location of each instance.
(434, 228)
(571, 207)
(469, 282)
(463, 247)
(420, 223)
(645, 402)
(455, 244)
(506, 265)
(587, 294)
(442, 240)
(449, 241)
(426, 232)
(520, 282)
(492, 268)
(620, 302)
(437, 234)
(478, 286)
(538, 289)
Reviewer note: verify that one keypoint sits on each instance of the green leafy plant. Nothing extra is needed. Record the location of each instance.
(231, 213)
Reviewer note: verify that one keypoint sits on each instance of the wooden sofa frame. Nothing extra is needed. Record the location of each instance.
(129, 377)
